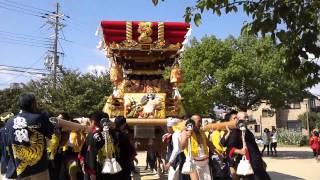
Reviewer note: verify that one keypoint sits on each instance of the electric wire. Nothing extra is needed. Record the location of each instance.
(22, 44)
(26, 5)
(26, 41)
(23, 12)
(23, 8)
(1, 65)
(24, 35)
(14, 78)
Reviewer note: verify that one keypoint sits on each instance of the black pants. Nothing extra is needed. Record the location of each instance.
(273, 146)
(315, 153)
(264, 147)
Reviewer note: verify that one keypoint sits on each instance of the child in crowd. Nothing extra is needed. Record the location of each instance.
(314, 142)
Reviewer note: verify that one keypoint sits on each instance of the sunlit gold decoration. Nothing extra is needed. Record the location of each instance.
(176, 75)
(161, 42)
(145, 30)
(144, 105)
(174, 46)
(116, 73)
(129, 42)
(129, 30)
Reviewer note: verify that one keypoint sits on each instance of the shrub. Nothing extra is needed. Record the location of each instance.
(290, 137)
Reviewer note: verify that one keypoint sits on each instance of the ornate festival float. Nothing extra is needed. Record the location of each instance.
(141, 54)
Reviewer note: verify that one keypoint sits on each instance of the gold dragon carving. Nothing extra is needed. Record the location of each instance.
(145, 30)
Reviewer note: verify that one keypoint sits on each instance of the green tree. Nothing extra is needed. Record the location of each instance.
(9, 100)
(236, 72)
(77, 94)
(294, 24)
(313, 118)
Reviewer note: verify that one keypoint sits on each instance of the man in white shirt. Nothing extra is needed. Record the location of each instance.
(174, 151)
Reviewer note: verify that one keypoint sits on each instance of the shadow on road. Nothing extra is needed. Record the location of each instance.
(148, 175)
(293, 155)
(281, 176)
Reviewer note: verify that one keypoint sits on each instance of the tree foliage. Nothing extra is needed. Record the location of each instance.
(236, 72)
(294, 24)
(9, 100)
(313, 118)
(77, 94)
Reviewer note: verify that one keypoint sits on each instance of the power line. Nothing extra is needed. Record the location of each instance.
(23, 8)
(60, 46)
(14, 78)
(23, 44)
(25, 74)
(26, 41)
(20, 70)
(26, 5)
(1, 65)
(19, 11)
(24, 35)
(24, 38)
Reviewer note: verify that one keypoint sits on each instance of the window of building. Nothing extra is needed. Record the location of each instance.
(294, 125)
(264, 112)
(267, 112)
(257, 128)
(312, 103)
(295, 105)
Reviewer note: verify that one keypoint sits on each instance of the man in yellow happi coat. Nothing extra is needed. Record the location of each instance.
(199, 149)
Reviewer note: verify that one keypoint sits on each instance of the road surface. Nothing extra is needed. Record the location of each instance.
(292, 163)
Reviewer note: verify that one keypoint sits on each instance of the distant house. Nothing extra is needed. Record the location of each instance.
(267, 117)
(16, 85)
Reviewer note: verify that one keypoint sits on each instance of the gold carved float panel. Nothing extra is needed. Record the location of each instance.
(144, 105)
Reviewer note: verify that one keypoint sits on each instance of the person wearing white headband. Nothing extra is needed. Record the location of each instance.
(175, 155)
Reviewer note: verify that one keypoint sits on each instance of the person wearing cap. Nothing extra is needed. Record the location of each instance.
(175, 155)
(126, 152)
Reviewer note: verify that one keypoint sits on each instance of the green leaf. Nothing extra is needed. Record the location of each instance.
(197, 19)
(155, 2)
(281, 35)
(218, 12)
(235, 9)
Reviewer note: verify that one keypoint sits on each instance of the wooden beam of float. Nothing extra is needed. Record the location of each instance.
(70, 126)
(147, 122)
(220, 126)
(163, 122)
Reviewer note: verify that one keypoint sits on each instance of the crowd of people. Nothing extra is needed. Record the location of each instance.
(36, 147)
(269, 139)
(198, 155)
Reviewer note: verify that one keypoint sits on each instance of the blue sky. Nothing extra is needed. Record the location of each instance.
(85, 16)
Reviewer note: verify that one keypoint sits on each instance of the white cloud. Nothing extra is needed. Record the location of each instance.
(97, 69)
(315, 89)
(7, 77)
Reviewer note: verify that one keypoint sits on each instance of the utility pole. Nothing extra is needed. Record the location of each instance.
(55, 20)
(307, 110)
(55, 46)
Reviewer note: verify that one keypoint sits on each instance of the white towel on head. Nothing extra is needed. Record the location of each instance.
(171, 121)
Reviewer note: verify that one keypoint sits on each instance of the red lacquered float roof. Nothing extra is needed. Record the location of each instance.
(115, 31)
